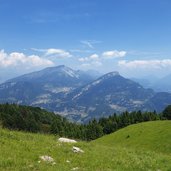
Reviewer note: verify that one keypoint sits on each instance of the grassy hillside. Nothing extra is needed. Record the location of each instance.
(155, 136)
(145, 146)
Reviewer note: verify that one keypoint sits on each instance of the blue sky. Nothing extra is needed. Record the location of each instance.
(131, 36)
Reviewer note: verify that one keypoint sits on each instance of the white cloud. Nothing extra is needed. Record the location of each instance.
(114, 54)
(97, 60)
(54, 52)
(18, 59)
(92, 60)
(83, 59)
(93, 57)
(58, 52)
(145, 64)
(37, 61)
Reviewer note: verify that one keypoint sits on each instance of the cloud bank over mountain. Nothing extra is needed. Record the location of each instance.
(20, 59)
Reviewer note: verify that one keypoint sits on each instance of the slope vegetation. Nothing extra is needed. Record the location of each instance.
(143, 146)
(154, 136)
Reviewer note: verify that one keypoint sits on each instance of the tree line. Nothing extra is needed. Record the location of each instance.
(35, 119)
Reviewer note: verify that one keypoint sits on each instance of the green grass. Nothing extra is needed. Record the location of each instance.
(145, 146)
(154, 136)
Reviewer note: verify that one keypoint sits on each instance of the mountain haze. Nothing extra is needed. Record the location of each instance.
(163, 84)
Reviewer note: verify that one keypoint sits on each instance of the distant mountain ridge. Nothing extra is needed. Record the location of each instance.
(52, 74)
(42, 86)
(79, 95)
(108, 94)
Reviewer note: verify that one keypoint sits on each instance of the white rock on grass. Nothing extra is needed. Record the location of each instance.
(53, 163)
(66, 140)
(68, 161)
(75, 168)
(47, 159)
(77, 150)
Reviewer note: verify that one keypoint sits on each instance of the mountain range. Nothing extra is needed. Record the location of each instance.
(81, 95)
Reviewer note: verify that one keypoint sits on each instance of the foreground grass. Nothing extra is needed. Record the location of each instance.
(21, 151)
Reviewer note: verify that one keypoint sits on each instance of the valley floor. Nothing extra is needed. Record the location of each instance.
(21, 151)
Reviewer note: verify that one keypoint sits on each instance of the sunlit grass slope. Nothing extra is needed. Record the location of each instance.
(145, 146)
(153, 136)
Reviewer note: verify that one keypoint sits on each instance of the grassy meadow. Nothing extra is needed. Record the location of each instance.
(139, 147)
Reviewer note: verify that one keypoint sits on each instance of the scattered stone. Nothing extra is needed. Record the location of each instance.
(47, 159)
(53, 163)
(75, 168)
(66, 140)
(77, 150)
(68, 161)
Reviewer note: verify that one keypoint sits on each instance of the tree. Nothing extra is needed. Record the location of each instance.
(167, 112)
(94, 130)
